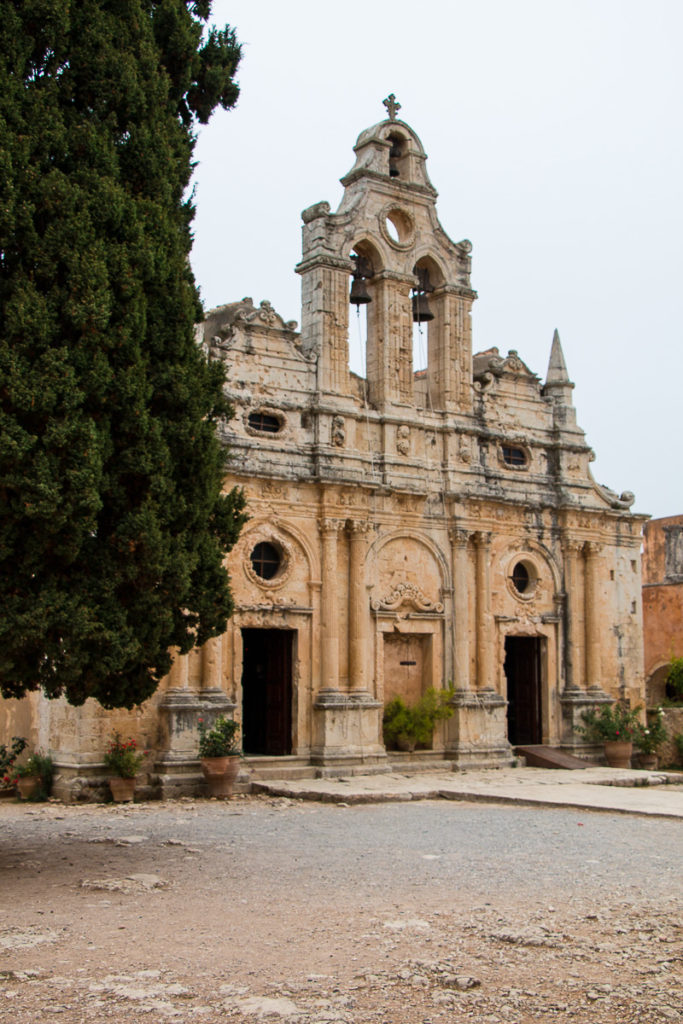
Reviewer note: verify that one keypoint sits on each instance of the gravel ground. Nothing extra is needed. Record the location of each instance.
(303, 913)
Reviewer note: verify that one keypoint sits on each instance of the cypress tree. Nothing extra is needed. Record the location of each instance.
(113, 527)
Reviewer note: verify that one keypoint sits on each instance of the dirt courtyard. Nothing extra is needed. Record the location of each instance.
(301, 913)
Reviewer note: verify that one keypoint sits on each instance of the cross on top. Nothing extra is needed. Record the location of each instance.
(392, 106)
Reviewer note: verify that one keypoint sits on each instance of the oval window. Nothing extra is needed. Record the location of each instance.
(265, 422)
(513, 455)
(520, 578)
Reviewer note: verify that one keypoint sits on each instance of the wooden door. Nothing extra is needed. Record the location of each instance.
(523, 672)
(267, 691)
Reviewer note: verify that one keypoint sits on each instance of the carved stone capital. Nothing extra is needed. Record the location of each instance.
(592, 549)
(458, 537)
(329, 527)
(358, 527)
(482, 538)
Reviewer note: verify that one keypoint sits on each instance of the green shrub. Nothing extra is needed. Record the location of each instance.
(674, 679)
(649, 738)
(607, 722)
(414, 725)
(221, 741)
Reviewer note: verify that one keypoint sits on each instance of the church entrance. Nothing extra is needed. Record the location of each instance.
(267, 691)
(523, 672)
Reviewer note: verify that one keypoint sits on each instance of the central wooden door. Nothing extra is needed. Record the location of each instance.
(523, 672)
(267, 691)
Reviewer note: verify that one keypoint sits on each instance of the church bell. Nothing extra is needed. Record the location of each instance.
(360, 296)
(421, 311)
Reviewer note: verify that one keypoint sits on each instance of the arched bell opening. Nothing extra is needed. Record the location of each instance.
(366, 262)
(427, 278)
(398, 153)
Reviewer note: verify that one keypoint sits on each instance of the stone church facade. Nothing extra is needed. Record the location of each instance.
(410, 526)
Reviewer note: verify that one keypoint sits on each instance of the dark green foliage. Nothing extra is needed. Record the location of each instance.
(674, 679)
(610, 722)
(221, 740)
(409, 726)
(112, 525)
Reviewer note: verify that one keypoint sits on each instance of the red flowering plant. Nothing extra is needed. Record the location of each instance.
(609, 722)
(123, 758)
(7, 758)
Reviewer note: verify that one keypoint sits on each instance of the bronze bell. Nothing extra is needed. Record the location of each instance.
(360, 295)
(421, 311)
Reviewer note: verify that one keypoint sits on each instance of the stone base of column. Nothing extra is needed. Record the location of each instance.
(347, 729)
(476, 735)
(573, 703)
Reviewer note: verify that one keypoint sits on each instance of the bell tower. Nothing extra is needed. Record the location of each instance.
(385, 248)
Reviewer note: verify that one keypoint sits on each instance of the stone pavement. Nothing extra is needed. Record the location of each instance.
(656, 794)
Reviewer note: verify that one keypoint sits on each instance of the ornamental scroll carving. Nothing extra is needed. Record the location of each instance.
(406, 593)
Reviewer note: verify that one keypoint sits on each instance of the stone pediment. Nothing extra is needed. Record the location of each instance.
(406, 594)
(245, 313)
(225, 325)
(491, 362)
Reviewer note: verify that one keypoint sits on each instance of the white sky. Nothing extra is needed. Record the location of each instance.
(553, 135)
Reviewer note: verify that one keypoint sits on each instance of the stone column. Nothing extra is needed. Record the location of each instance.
(329, 675)
(358, 607)
(483, 591)
(212, 656)
(592, 615)
(215, 700)
(461, 595)
(178, 676)
(574, 646)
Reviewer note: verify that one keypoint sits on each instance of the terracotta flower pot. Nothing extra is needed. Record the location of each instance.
(123, 790)
(220, 774)
(618, 753)
(28, 786)
(648, 761)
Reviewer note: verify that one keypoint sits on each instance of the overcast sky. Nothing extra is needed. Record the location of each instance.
(553, 135)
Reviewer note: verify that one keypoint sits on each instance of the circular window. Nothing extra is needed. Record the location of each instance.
(397, 227)
(266, 560)
(523, 580)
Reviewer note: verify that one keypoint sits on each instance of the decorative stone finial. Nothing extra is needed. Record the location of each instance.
(392, 106)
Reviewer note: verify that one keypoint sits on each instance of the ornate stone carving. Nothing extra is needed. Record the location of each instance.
(392, 105)
(406, 593)
(286, 553)
(458, 537)
(330, 525)
(403, 439)
(338, 431)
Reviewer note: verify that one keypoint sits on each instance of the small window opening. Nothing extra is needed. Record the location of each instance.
(266, 560)
(513, 456)
(265, 422)
(521, 578)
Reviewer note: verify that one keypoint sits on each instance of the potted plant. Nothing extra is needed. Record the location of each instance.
(649, 738)
(219, 754)
(616, 726)
(34, 777)
(7, 758)
(123, 761)
(407, 726)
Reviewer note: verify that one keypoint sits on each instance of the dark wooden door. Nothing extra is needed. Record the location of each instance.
(267, 691)
(523, 672)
